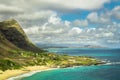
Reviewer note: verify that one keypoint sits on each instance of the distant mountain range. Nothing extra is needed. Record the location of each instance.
(69, 46)
(92, 46)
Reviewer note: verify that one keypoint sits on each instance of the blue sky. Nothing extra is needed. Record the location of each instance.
(82, 14)
(82, 22)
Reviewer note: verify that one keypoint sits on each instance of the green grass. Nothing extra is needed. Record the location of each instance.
(22, 58)
(6, 64)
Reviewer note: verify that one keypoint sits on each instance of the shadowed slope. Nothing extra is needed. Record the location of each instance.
(14, 35)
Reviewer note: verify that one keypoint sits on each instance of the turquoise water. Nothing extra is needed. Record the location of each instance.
(101, 72)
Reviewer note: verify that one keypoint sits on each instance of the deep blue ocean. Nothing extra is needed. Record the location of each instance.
(101, 72)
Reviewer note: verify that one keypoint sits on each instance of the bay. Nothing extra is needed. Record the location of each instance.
(102, 72)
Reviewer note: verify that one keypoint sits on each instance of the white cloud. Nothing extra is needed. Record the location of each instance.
(95, 18)
(5, 9)
(67, 23)
(109, 34)
(36, 15)
(41, 20)
(75, 4)
(60, 5)
(32, 30)
(116, 12)
(113, 41)
(52, 29)
(80, 23)
(54, 19)
(75, 30)
(49, 23)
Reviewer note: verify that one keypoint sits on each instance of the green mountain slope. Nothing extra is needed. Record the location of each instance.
(6, 46)
(15, 48)
(15, 37)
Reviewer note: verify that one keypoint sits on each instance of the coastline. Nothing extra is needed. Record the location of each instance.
(26, 71)
(30, 70)
(23, 72)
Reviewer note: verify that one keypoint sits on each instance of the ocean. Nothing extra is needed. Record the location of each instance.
(109, 71)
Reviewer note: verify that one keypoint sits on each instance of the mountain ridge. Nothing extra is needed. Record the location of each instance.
(13, 34)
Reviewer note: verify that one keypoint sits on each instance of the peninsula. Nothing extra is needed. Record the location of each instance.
(19, 55)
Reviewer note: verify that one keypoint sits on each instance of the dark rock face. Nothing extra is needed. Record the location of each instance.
(12, 31)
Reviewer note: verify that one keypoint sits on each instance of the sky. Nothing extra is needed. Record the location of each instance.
(84, 22)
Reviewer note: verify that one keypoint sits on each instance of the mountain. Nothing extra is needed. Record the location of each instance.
(17, 51)
(13, 37)
(48, 45)
(93, 46)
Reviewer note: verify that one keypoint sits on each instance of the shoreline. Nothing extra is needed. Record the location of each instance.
(28, 71)
(23, 72)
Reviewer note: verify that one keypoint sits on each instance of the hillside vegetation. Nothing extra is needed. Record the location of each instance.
(17, 51)
(11, 32)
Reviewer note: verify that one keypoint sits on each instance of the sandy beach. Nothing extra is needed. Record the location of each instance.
(26, 71)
